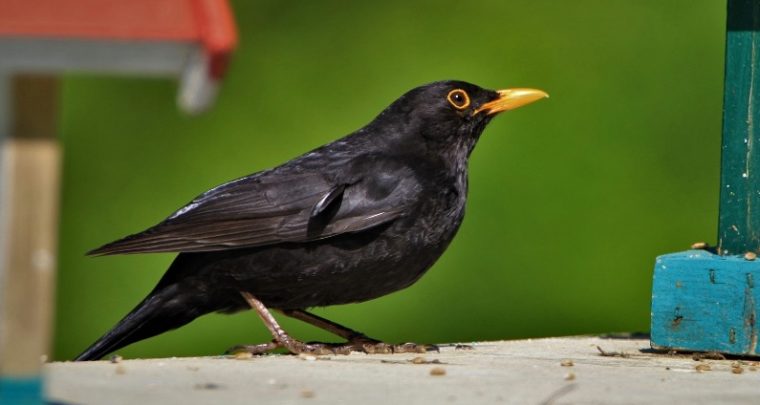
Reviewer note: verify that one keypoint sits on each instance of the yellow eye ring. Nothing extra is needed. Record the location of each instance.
(459, 99)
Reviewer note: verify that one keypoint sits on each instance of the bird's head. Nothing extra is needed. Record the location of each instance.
(449, 115)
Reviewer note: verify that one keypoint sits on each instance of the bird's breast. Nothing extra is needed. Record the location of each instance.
(440, 216)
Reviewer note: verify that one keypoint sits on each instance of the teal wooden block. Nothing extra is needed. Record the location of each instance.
(706, 302)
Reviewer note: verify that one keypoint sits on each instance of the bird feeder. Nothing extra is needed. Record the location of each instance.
(709, 299)
(190, 40)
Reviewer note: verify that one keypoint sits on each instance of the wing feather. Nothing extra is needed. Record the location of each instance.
(274, 207)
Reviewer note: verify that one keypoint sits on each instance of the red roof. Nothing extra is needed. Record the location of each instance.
(209, 22)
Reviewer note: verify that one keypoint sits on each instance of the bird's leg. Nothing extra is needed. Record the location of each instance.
(281, 338)
(357, 341)
(326, 324)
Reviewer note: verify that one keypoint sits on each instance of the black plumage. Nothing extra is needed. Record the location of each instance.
(353, 220)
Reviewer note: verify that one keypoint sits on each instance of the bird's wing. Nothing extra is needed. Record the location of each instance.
(275, 207)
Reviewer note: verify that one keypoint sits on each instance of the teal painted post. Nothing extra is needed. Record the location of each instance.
(739, 222)
(703, 301)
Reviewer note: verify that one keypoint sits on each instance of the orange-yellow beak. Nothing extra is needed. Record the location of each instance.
(509, 99)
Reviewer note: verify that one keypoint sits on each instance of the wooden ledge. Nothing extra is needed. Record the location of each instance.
(539, 371)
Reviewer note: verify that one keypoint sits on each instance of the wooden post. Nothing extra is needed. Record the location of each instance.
(739, 222)
(30, 160)
(711, 302)
(131, 37)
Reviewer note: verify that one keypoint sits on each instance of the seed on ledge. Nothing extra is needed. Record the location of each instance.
(701, 368)
(438, 371)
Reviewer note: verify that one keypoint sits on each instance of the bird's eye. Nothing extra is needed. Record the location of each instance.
(459, 99)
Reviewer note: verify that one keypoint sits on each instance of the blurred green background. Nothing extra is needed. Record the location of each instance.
(570, 198)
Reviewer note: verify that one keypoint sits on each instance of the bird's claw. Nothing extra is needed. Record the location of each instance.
(377, 347)
(415, 348)
(261, 348)
(315, 348)
(293, 346)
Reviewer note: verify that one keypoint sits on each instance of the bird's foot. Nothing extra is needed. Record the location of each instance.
(294, 347)
(415, 348)
(362, 345)
(371, 346)
(357, 341)
(315, 348)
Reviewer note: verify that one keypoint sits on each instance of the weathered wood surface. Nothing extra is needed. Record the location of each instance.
(542, 371)
(703, 301)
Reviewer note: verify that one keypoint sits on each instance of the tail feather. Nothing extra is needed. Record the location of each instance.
(162, 310)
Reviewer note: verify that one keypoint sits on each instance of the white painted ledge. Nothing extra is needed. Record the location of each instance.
(516, 372)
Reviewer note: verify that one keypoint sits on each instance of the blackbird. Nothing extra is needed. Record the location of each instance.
(350, 221)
